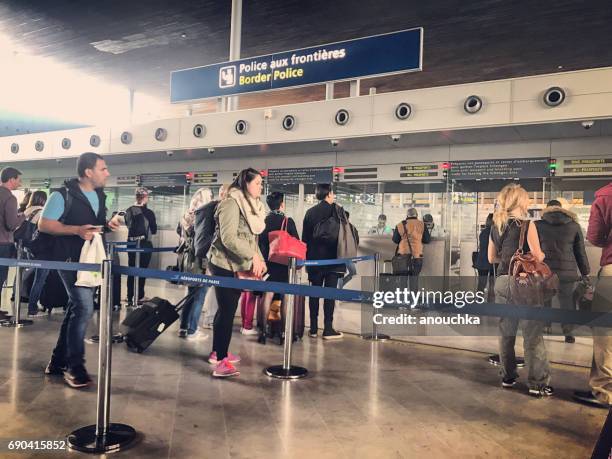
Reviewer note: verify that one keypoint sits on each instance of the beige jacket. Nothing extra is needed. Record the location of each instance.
(234, 244)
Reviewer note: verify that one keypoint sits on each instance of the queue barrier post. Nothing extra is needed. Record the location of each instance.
(104, 436)
(136, 278)
(118, 337)
(286, 370)
(17, 321)
(375, 336)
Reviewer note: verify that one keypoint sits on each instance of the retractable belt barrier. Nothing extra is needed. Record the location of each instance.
(602, 319)
(248, 284)
(49, 264)
(145, 249)
(337, 261)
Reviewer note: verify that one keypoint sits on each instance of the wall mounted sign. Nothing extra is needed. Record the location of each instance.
(205, 178)
(127, 180)
(488, 169)
(376, 55)
(172, 179)
(420, 170)
(588, 166)
(300, 175)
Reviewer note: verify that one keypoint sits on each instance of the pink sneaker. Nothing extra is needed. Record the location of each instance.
(212, 358)
(225, 369)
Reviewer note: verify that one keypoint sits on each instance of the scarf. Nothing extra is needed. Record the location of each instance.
(251, 209)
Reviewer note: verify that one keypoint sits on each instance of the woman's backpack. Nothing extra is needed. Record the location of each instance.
(26, 232)
(531, 281)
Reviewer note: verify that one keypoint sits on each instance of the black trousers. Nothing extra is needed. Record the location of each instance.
(145, 259)
(227, 299)
(322, 279)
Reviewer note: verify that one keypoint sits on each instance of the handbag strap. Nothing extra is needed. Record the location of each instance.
(524, 226)
(284, 224)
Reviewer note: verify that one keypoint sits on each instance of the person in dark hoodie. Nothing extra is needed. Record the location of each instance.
(599, 233)
(562, 242)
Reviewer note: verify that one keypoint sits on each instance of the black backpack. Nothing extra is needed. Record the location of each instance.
(41, 244)
(204, 228)
(26, 231)
(137, 223)
(327, 231)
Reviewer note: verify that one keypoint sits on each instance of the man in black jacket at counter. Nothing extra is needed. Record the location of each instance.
(317, 250)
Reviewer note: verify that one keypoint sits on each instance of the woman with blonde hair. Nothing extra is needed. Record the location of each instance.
(508, 218)
(189, 262)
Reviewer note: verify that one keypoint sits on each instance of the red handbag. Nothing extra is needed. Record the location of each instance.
(284, 246)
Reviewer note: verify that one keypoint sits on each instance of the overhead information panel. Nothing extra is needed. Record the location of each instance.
(376, 55)
(587, 166)
(205, 178)
(127, 180)
(487, 169)
(420, 171)
(171, 179)
(300, 175)
(405, 172)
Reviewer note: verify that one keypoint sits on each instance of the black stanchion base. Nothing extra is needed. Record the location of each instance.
(118, 438)
(16, 324)
(494, 360)
(378, 337)
(95, 339)
(278, 372)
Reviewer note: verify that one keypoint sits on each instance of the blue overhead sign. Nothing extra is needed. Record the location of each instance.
(346, 60)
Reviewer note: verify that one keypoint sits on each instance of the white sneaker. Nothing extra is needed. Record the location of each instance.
(198, 335)
(248, 332)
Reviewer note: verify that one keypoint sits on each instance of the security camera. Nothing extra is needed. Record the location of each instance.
(334, 143)
(587, 124)
(396, 137)
(169, 153)
(58, 160)
(211, 151)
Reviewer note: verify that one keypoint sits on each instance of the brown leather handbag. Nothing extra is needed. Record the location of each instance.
(531, 281)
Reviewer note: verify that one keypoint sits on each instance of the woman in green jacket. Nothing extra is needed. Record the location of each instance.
(239, 220)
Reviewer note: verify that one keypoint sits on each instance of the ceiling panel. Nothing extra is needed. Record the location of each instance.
(137, 44)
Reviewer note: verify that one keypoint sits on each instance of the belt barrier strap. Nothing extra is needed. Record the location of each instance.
(48, 264)
(356, 296)
(145, 249)
(247, 284)
(337, 261)
(519, 312)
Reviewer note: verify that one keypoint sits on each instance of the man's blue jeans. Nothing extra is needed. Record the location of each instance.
(190, 314)
(40, 277)
(70, 348)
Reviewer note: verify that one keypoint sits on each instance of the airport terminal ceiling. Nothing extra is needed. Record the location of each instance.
(137, 44)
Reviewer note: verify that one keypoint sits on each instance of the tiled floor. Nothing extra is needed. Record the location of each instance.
(362, 399)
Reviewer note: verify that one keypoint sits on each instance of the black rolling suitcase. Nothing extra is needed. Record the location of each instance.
(144, 324)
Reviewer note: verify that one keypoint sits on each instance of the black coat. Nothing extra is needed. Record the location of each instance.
(316, 249)
(482, 260)
(562, 242)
